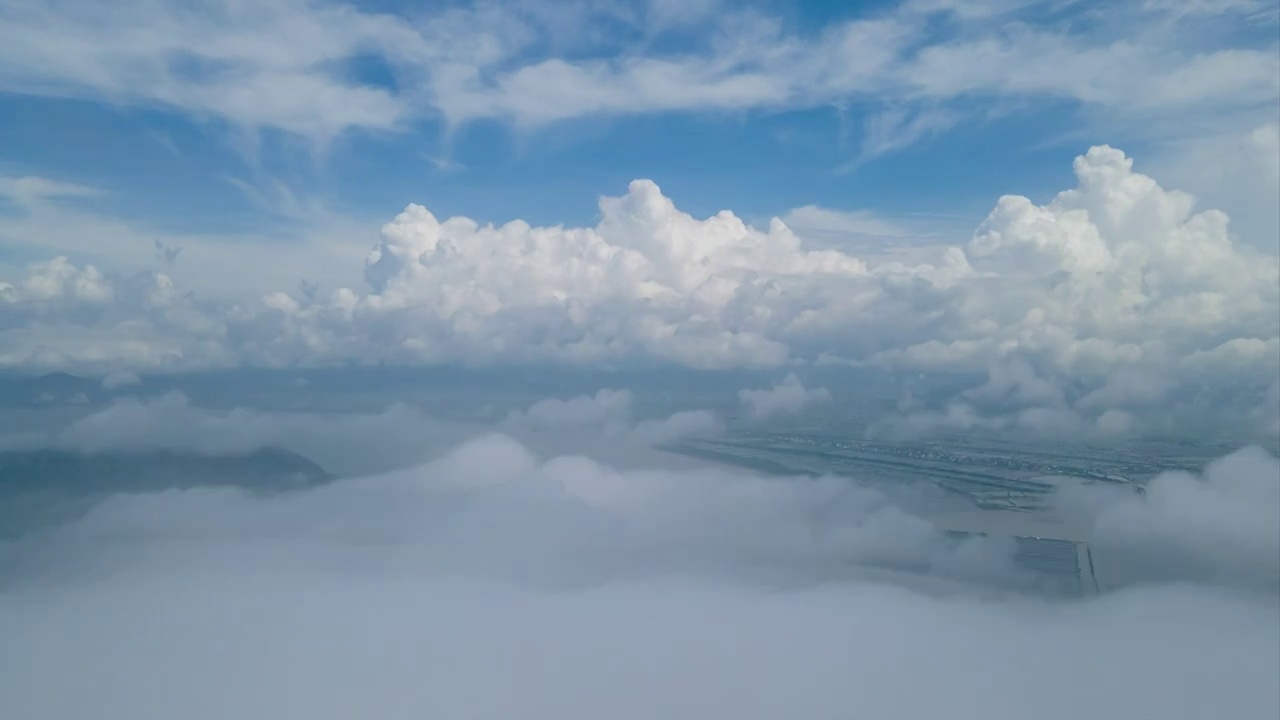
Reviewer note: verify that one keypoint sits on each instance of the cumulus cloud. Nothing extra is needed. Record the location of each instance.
(303, 239)
(789, 397)
(56, 280)
(1236, 170)
(62, 316)
(647, 279)
(494, 581)
(1116, 295)
(1117, 273)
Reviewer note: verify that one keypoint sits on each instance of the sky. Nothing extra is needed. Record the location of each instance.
(454, 276)
(1074, 202)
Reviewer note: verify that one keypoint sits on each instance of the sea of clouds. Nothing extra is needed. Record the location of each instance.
(553, 564)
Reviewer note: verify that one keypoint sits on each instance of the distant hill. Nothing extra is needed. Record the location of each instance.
(47, 486)
(58, 388)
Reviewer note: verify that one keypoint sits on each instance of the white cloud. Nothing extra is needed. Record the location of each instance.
(319, 245)
(1222, 526)
(1115, 295)
(1237, 171)
(222, 60)
(1115, 422)
(1255, 10)
(789, 397)
(58, 280)
(681, 425)
(857, 223)
(1268, 411)
(609, 413)
(868, 235)
(60, 315)
(605, 408)
(289, 65)
(362, 442)
(342, 443)
(312, 242)
(895, 129)
(30, 190)
(487, 581)
(589, 514)
(664, 14)
(754, 63)
(648, 279)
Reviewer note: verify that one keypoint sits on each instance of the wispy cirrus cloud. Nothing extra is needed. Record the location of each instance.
(294, 66)
(29, 190)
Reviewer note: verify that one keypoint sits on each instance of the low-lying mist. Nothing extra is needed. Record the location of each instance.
(556, 565)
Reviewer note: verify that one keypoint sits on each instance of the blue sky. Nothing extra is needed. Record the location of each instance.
(851, 146)
(758, 162)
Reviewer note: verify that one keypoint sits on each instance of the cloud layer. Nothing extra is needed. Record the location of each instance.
(1084, 313)
(494, 580)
